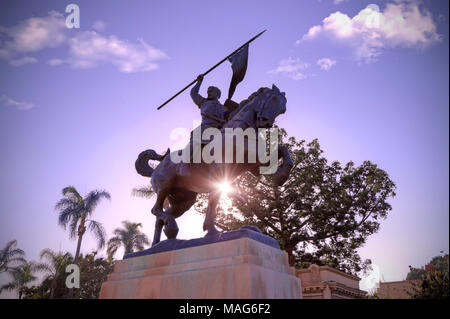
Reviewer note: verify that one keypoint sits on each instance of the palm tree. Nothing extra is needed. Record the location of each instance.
(21, 276)
(55, 266)
(74, 211)
(147, 192)
(10, 255)
(130, 237)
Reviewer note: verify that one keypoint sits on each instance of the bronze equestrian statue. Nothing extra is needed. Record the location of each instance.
(180, 183)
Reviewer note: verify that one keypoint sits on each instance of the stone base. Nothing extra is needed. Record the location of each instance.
(235, 269)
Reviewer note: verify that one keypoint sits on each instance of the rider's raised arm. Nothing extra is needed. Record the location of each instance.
(196, 97)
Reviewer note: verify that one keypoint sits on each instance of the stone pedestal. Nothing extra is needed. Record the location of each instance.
(239, 268)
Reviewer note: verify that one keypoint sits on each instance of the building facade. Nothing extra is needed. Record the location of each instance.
(395, 289)
(323, 282)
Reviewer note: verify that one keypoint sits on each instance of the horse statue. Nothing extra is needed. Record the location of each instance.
(258, 111)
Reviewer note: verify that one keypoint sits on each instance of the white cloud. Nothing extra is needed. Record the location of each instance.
(291, 68)
(401, 24)
(22, 61)
(87, 49)
(325, 63)
(6, 101)
(33, 34)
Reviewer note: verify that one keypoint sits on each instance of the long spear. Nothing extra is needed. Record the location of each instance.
(215, 66)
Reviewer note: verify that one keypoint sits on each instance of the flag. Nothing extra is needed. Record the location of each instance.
(239, 67)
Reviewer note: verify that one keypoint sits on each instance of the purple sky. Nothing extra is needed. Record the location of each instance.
(78, 105)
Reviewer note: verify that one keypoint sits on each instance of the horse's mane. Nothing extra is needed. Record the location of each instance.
(244, 103)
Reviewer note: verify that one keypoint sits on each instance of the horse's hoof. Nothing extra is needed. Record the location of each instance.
(171, 233)
(171, 229)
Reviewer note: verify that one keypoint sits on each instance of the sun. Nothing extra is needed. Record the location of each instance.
(224, 187)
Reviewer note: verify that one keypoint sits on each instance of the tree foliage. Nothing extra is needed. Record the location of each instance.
(74, 211)
(11, 255)
(431, 284)
(322, 214)
(130, 237)
(21, 277)
(55, 271)
(93, 273)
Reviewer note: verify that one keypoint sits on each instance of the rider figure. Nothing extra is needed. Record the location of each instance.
(212, 112)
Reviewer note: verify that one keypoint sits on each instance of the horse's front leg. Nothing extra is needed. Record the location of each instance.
(166, 220)
(170, 225)
(157, 209)
(282, 173)
(210, 218)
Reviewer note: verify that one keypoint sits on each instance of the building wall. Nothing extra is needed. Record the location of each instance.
(395, 289)
(323, 282)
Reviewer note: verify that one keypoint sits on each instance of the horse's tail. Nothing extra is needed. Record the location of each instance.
(141, 164)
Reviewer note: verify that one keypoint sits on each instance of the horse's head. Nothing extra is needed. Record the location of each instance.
(260, 109)
(272, 103)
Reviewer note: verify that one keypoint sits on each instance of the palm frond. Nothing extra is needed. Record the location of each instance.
(143, 191)
(93, 198)
(66, 202)
(48, 254)
(8, 287)
(119, 232)
(113, 244)
(69, 208)
(71, 191)
(42, 267)
(130, 237)
(73, 228)
(11, 255)
(141, 240)
(10, 246)
(99, 232)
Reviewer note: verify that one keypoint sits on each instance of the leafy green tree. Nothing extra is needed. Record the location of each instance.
(10, 255)
(432, 284)
(323, 213)
(415, 273)
(55, 267)
(41, 291)
(75, 211)
(130, 237)
(94, 272)
(441, 262)
(21, 276)
(438, 261)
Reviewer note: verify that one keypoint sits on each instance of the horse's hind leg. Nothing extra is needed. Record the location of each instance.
(161, 217)
(211, 214)
(158, 228)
